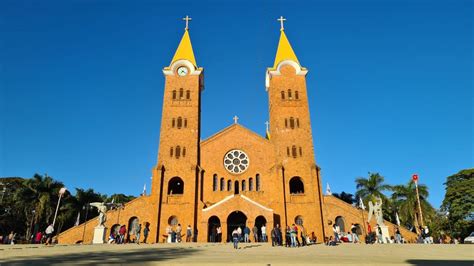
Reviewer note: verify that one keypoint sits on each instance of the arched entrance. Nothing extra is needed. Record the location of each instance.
(234, 220)
(340, 222)
(358, 229)
(259, 222)
(212, 225)
(132, 228)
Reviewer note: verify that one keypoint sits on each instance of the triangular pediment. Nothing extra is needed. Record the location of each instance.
(238, 202)
(234, 130)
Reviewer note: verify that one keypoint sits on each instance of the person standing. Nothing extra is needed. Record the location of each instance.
(336, 235)
(219, 234)
(138, 230)
(246, 234)
(288, 237)
(38, 237)
(264, 233)
(179, 229)
(49, 234)
(273, 236)
(398, 236)
(278, 235)
(255, 233)
(293, 235)
(235, 238)
(146, 231)
(122, 231)
(379, 234)
(11, 238)
(189, 233)
(169, 232)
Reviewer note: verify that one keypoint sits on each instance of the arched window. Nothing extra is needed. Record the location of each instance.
(173, 220)
(222, 185)
(296, 185)
(188, 95)
(174, 94)
(184, 151)
(292, 123)
(181, 93)
(229, 185)
(178, 152)
(282, 95)
(297, 122)
(288, 151)
(175, 186)
(299, 220)
(286, 122)
(250, 184)
(340, 222)
(297, 95)
(185, 122)
(289, 94)
(180, 123)
(293, 151)
(243, 185)
(257, 182)
(214, 182)
(171, 152)
(173, 122)
(301, 151)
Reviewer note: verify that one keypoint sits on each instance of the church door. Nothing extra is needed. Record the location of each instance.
(234, 220)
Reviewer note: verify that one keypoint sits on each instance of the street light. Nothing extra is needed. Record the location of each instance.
(61, 193)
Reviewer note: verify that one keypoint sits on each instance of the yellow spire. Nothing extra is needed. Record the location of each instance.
(284, 52)
(185, 50)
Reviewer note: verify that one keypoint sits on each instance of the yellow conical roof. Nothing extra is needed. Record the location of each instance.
(185, 50)
(284, 52)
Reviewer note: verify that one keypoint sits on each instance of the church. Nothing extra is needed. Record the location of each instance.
(236, 177)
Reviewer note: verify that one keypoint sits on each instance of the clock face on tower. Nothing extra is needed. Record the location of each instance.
(182, 71)
(236, 161)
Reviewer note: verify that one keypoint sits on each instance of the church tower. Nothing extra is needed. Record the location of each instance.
(291, 135)
(176, 175)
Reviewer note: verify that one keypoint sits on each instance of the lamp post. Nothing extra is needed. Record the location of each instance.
(61, 193)
(415, 179)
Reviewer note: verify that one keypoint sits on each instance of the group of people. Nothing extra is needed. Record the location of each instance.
(174, 234)
(134, 234)
(291, 236)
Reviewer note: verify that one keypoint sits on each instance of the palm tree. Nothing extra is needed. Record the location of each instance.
(371, 188)
(405, 201)
(347, 197)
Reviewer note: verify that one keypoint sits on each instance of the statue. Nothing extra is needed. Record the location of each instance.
(376, 210)
(102, 207)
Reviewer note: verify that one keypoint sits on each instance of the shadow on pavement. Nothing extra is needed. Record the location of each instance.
(105, 257)
(441, 262)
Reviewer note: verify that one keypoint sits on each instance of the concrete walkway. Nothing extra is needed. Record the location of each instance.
(247, 254)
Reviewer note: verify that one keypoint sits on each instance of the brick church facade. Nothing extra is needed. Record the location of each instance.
(235, 177)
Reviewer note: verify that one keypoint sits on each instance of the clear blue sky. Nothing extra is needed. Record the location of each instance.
(390, 84)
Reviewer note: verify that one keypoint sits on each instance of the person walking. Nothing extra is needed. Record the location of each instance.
(189, 233)
(38, 237)
(49, 234)
(255, 233)
(146, 231)
(235, 238)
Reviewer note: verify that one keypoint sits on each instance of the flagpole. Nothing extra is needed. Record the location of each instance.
(419, 205)
(362, 209)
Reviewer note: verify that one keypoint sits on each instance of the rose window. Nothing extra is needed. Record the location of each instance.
(236, 161)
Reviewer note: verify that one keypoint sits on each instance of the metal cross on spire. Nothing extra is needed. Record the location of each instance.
(235, 119)
(187, 19)
(267, 124)
(281, 19)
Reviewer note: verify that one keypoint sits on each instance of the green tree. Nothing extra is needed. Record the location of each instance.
(347, 197)
(371, 188)
(458, 202)
(405, 202)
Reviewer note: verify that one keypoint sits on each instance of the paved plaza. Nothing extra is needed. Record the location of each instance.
(247, 254)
